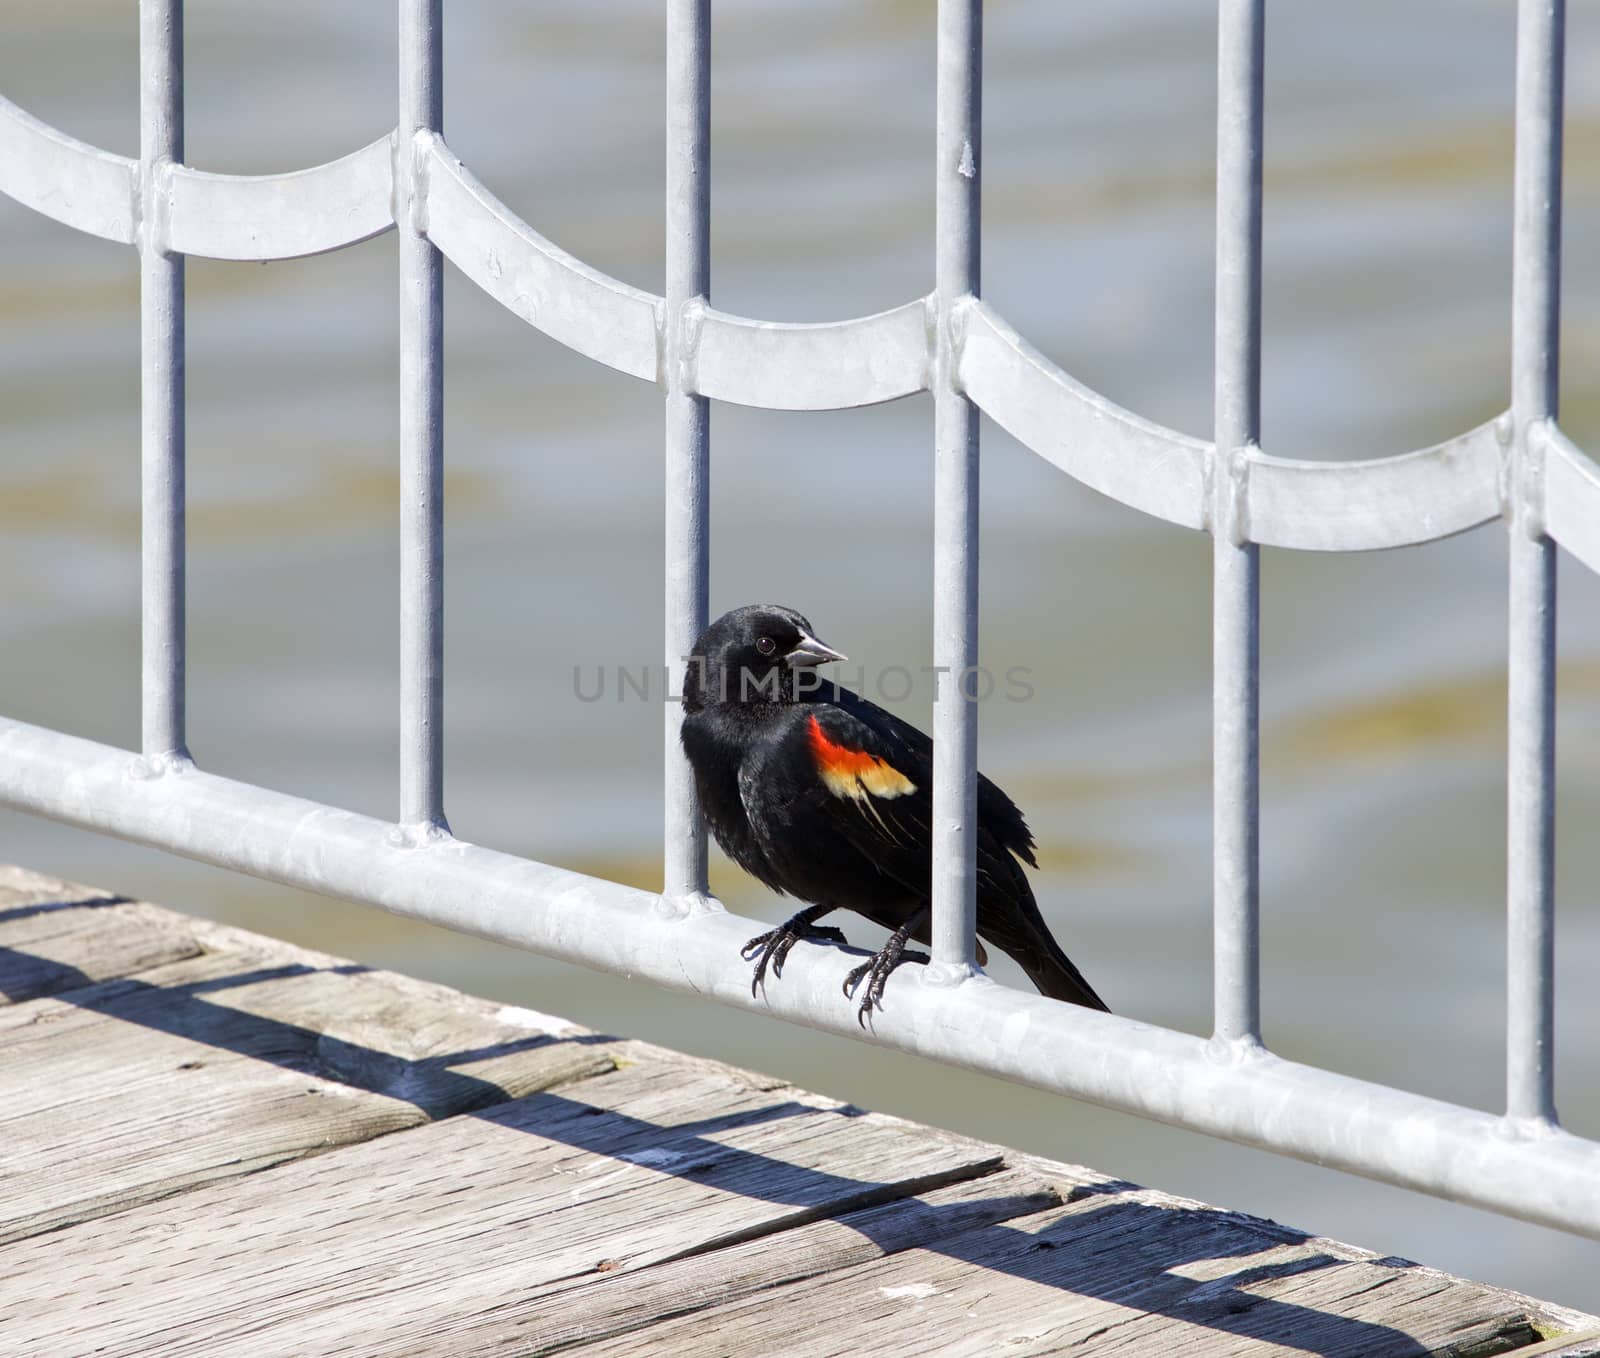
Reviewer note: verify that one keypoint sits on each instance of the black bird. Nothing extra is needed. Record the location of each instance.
(824, 796)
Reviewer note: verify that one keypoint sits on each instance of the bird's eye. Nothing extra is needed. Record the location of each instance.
(766, 645)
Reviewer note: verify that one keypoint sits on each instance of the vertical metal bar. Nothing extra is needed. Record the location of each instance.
(1236, 650)
(161, 344)
(688, 429)
(421, 426)
(957, 201)
(1530, 699)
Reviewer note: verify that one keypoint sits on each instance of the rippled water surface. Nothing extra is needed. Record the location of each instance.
(1386, 268)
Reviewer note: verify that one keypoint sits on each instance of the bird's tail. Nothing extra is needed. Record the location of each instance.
(1008, 916)
(1054, 975)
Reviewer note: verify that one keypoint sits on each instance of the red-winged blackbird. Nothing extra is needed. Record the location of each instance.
(824, 796)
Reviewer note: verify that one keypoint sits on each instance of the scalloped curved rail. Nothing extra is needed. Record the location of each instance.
(1378, 502)
(1135, 461)
(1572, 497)
(65, 179)
(1306, 505)
(553, 291)
(283, 216)
(833, 366)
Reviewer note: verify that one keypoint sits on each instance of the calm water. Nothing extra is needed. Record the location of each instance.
(1387, 258)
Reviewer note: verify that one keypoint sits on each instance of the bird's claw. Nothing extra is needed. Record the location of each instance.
(876, 971)
(769, 950)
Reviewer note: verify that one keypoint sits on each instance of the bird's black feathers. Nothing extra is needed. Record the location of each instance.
(825, 796)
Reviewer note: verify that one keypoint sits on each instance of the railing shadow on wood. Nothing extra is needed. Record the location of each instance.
(1170, 1237)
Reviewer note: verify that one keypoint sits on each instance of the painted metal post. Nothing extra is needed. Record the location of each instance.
(421, 425)
(161, 386)
(1236, 649)
(688, 428)
(958, 149)
(1530, 698)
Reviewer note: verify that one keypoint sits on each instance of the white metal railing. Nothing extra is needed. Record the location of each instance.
(1520, 468)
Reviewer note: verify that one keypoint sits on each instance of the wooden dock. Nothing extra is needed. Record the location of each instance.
(214, 1143)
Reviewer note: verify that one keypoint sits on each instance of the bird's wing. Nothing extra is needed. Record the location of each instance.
(871, 783)
(828, 786)
(879, 798)
(997, 813)
(873, 789)
(868, 782)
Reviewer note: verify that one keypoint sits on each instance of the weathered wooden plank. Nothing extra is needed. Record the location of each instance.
(640, 1202)
(226, 1063)
(583, 1310)
(56, 935)
(381, 1246)
(1133, 1273)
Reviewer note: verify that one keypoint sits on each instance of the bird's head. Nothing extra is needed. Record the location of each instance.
(750, 656)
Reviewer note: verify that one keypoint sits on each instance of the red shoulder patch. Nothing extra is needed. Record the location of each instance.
(853, 773)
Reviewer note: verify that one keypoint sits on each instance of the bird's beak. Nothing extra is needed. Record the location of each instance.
(808, 653)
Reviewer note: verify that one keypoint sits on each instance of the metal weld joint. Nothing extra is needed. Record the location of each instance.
(951, 351)
(1523, 499)
(1229, 498)
(948, 975)
(409, 205)
(686, 357)
(687, 905)
(419, 834)
(153, 208)
(144, 767)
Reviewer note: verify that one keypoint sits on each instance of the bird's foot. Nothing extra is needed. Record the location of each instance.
(875, 973)
(769, 950)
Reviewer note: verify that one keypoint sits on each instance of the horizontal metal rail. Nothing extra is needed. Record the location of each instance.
(1258, 1099)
